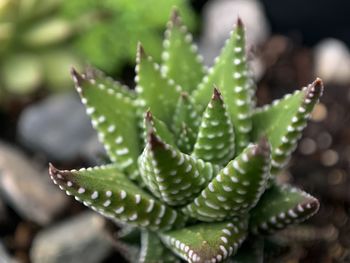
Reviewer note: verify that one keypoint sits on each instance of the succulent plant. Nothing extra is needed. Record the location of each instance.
(193, 161)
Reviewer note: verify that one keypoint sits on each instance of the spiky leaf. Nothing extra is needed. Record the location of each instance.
(215, 142)
(152, 123)
(281, 206)
(109, 192)
(230, 73)
(172, 176)
(154, 90)
(212, 242)
(185, 113)
(284, 121)
(181, 62)
(113, 115)
(186, 122)
(236, 189)
(153, 250)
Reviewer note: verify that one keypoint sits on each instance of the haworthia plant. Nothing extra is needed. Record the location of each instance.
(193, 162)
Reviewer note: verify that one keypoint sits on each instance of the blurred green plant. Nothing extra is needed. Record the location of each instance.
(110, 41)
(34, 46)
(39, 39)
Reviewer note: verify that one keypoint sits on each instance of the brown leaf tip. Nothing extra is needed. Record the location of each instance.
(77, 78)
(175, 17)
(148, 116)
(154, 140)
(184, 95)
(239, 22)
(312, 205)
(141, 54)
(263, 147)
(62, 178)
(216, 94)
(314, 90)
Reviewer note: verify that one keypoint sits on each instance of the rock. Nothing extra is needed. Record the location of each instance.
(27, 189)
(4, 256)
(79, 239)
(221, 15)
(332, 61)
(57, 127)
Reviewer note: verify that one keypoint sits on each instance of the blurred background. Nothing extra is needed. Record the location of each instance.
(289, 43)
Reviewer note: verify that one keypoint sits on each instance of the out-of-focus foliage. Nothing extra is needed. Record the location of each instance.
(41, 39)
(34, 46)
(113, 28)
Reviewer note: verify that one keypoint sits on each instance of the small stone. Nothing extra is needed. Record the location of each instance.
(319, 113)
(79, 239)
(307, 146)
(27, 189)
(221, 15)
(332, 61)
(329, 157)
(57, 127)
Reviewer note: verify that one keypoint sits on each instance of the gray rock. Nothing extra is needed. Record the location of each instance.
(332, 61)
(57, 126)
(221, 15)
(80, 239)
(4, 256)
(28, 189)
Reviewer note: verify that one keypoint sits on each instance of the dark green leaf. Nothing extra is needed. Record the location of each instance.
(284, 121)
(236, 189)
(181, 62)
(215, 142)
(110, 193)
(174, 177)
(211, 242)
(113, 114)
(231, 74)
(281, 206)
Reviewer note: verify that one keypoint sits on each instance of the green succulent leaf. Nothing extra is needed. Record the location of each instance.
(155, 91)
(174, 177)
(215, 142)
(112, 111)
(236, 189)
(284, 121)
(185, 124)
(210, 242)
(153, 250)
(186, 139)
(110, 193)
(231, 74)
(185, 113)
(152, 123)
(281, 206)
(181, 62)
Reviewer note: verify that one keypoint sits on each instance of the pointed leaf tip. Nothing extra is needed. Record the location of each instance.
(61, 177)
(77, 78)
(175, 17)
(148, 116)
(263, 147)
(140, 52)
(216, 94)
(315, 89)
(239, 22)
